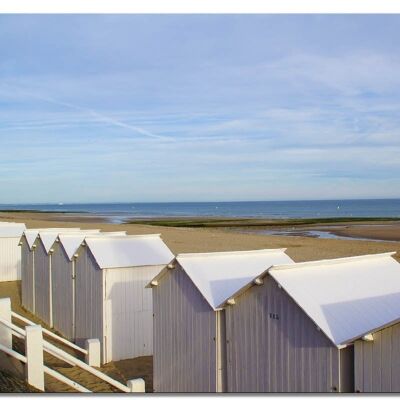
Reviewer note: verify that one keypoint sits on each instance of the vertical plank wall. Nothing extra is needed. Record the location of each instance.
(10, 259)
(377, 363)
(221, 351)
(61, 272)
(347, 369)
(89, 298)
(128, 312)
(184, 332)
(281, 352)
(27, 266)
(42, 288)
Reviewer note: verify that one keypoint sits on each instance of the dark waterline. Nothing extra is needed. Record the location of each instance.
(120, 212)
(313, 234)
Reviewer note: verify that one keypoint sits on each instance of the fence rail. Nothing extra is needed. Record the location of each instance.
(35, 345)
(20, 333)
(66, 380)
(63, 355)
(51, 334)
(13, 353)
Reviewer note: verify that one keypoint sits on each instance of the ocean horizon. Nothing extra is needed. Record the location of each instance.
(120, 212)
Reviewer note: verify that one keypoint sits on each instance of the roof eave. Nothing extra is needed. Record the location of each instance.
(370, 331)
(331, 261)
(227, 253)
(163, 272)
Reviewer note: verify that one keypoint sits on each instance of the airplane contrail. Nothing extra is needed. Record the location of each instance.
(99, 116)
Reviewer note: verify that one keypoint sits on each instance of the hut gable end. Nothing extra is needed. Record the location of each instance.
(89, 298)
(276, 346)
(376, 363)
(27, 261)
(345, 311)
(42, 282)
(62, 291)
(184, 329)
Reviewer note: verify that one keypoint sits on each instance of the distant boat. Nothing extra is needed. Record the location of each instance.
(60, 204)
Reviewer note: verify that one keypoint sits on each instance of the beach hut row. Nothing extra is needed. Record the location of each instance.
(247, 321)
(91, 284)
(10, 255)
(36, 258)
(258, 322)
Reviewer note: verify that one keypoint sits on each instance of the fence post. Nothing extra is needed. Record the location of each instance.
(92, 358)
(136, 385)
(34, 371)
(5, 331)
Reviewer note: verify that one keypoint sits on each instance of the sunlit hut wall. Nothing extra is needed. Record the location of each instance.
(63, 278)
(28, 246)
(294, 331)
(112, 303)
(10, 253)
(27, 269)
(41, 275)
(189, 320)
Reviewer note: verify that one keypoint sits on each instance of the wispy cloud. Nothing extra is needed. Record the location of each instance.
(96, 116)
(273, 107)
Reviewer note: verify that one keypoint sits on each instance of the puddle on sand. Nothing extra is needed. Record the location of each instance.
(310, 233)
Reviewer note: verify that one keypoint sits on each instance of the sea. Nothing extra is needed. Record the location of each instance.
(121, 212)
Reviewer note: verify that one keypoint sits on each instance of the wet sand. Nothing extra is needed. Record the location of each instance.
(360, 231)
(220, 239)
(369, 231)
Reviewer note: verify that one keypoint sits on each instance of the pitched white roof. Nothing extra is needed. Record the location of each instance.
(129, 251)
(72, 241)
(11, 229)
(218, 276)
(346, 297)
(48, 236)
(31, 235)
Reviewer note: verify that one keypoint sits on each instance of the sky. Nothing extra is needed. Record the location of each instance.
(115, 108)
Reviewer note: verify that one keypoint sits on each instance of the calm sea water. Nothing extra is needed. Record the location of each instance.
(254, 209)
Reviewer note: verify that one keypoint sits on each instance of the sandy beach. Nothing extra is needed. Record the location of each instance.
(186, 239)
(373, 231)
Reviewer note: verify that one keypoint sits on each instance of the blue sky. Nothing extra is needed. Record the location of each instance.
(100, 108)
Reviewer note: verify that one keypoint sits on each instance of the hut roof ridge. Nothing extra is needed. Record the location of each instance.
(346, 298)
(129, 251)
(218, 278)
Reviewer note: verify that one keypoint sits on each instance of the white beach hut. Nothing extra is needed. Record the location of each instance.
(63, 278)
(36, 268)
(27, 268)
(112, 303)
(320, 326)
(189, 297)
(10, 253)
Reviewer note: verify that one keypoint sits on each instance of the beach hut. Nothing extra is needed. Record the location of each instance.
(63, 278)
(27, 243)
(10, 253)
(112, 303)
(37, 271)
(27, 269)
(317, 327)
(189, 319)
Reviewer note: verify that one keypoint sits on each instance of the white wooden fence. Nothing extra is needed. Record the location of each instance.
(35, 345)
